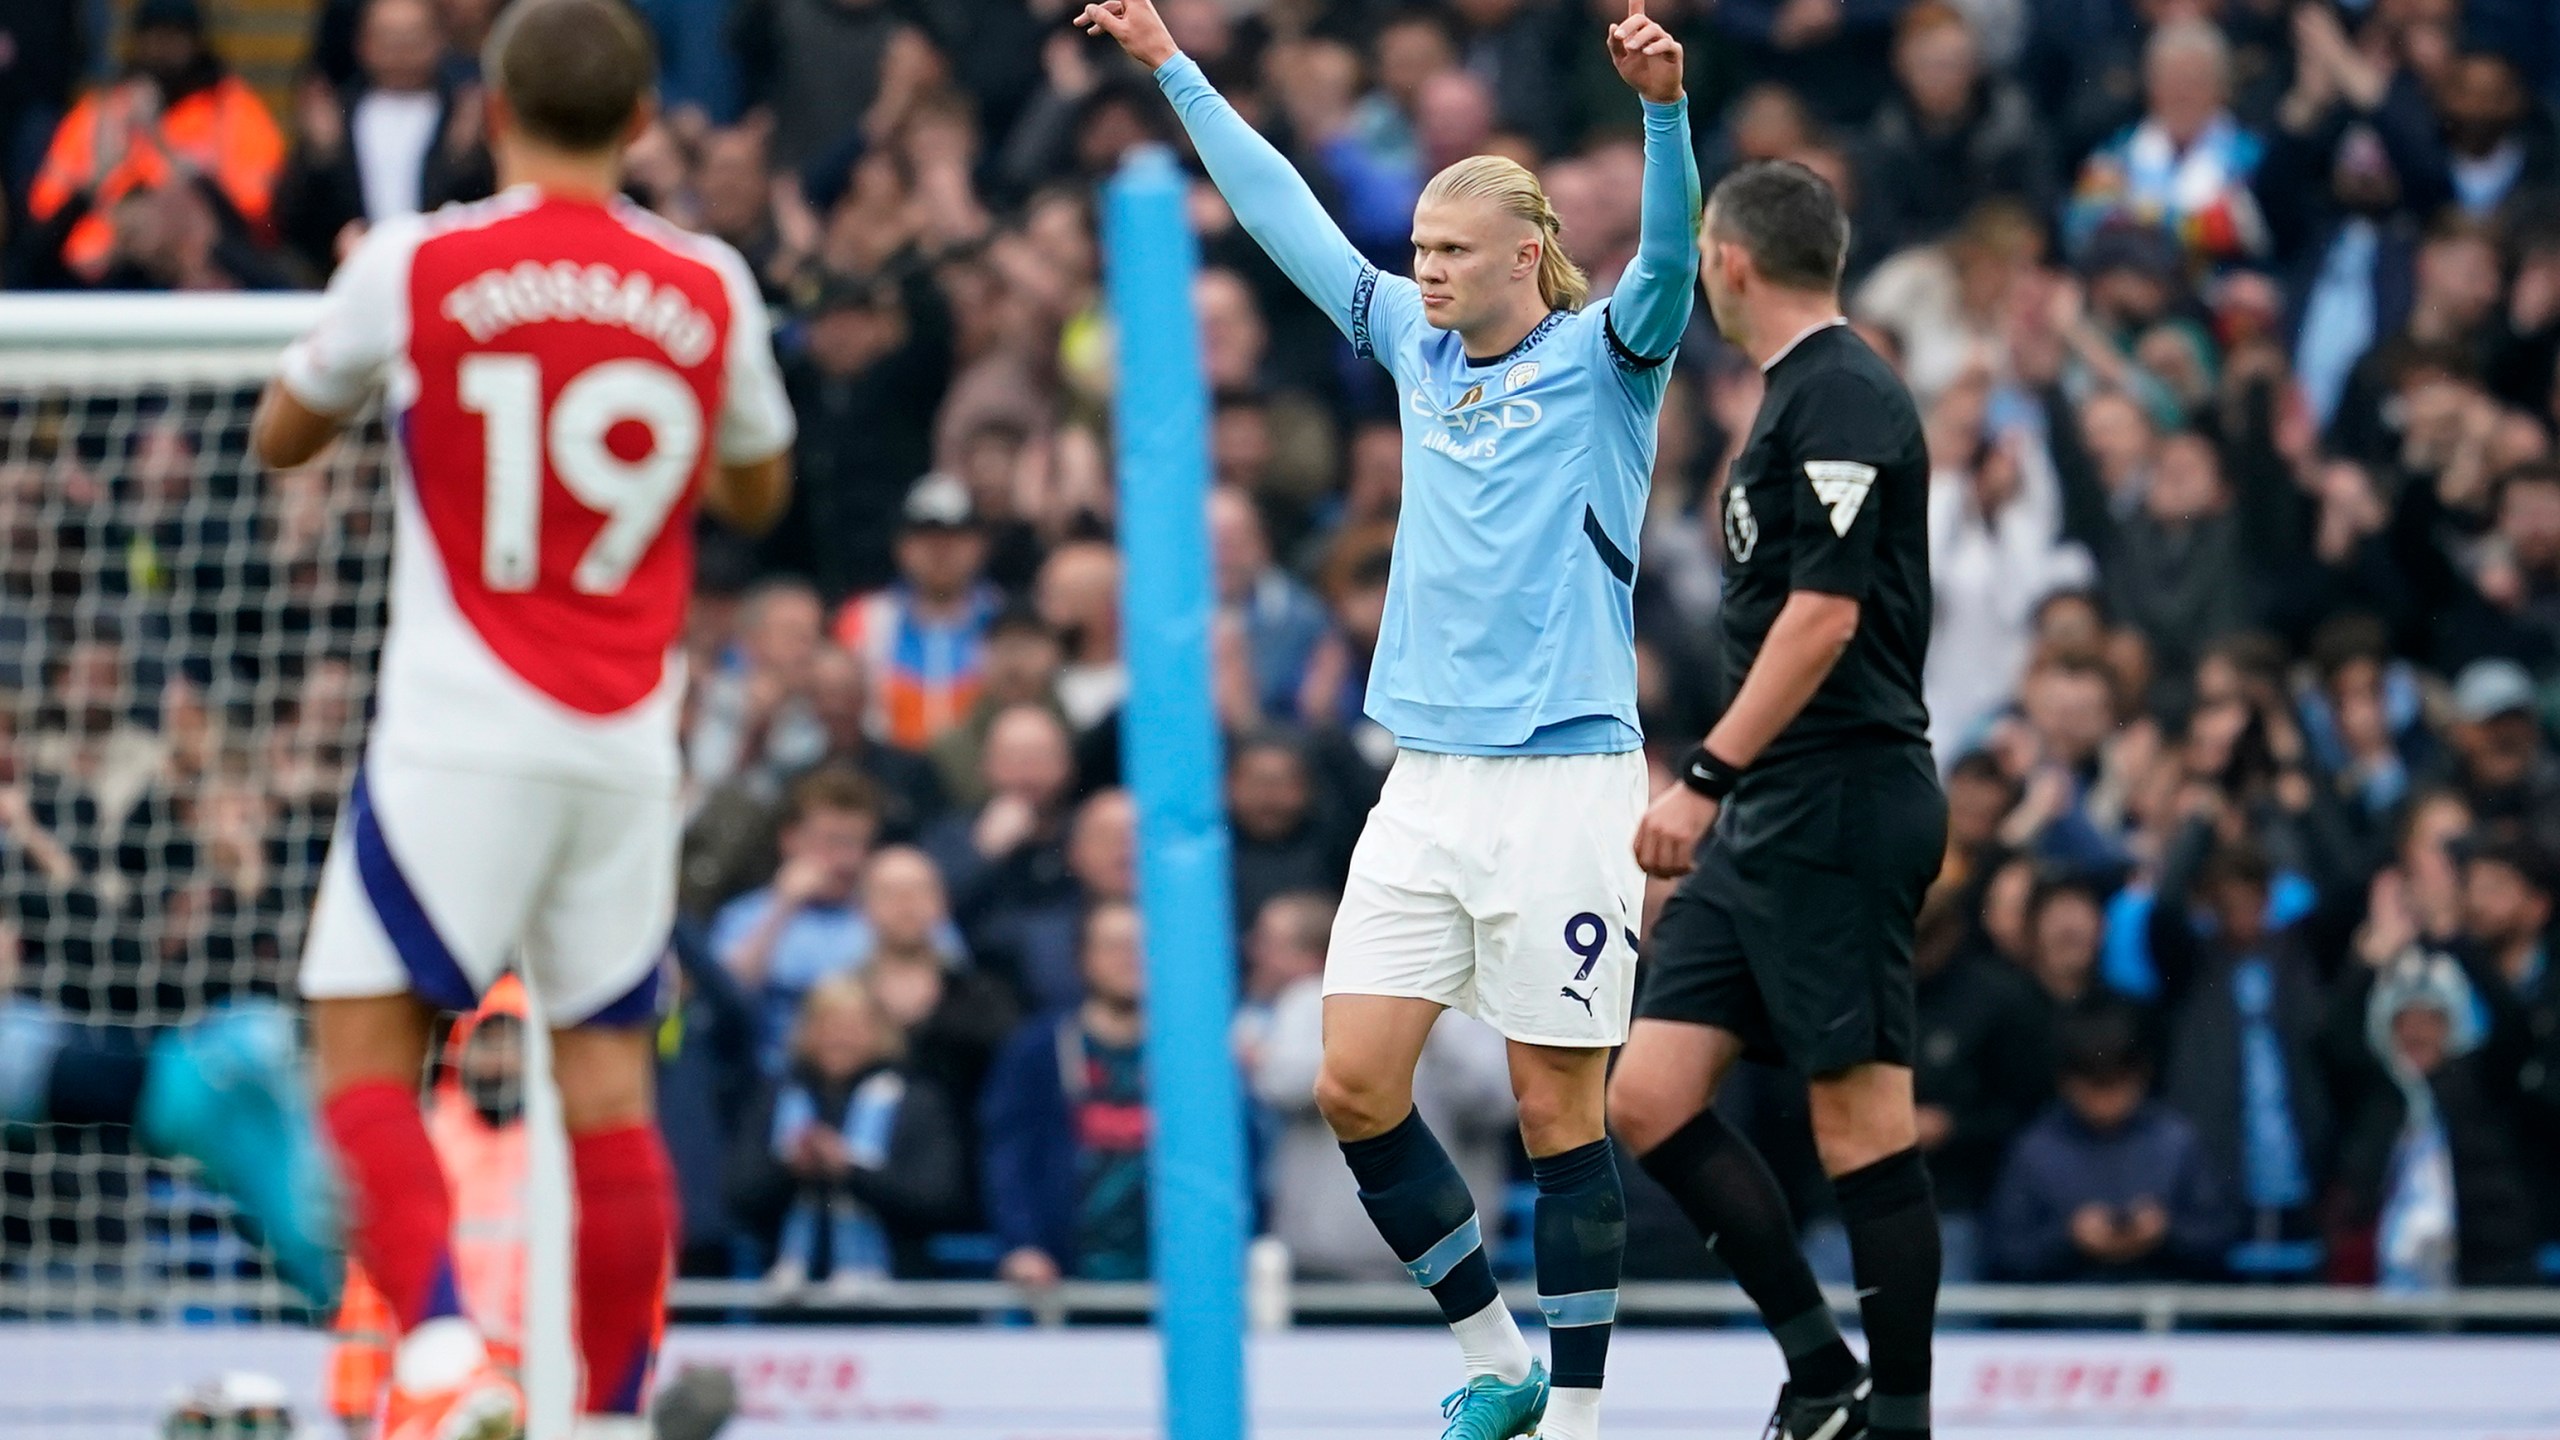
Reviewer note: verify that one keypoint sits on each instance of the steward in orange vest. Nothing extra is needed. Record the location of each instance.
(178, 115)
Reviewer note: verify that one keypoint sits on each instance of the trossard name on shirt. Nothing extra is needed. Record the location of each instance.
(497, 300)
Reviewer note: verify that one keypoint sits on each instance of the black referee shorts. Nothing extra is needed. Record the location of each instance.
(1794, 932)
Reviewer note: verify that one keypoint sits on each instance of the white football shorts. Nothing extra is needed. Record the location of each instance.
(440, 877)
(1502, 885)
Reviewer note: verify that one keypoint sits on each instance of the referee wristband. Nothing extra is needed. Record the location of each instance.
(1701, 771)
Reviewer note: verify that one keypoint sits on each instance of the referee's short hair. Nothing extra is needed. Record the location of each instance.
(1787, 219)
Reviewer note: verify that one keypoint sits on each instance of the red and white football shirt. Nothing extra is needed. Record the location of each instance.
(560, 376)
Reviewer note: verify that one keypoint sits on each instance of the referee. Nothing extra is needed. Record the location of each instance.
(1790, 939)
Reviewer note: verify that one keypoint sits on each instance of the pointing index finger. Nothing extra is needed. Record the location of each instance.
(1635, 8)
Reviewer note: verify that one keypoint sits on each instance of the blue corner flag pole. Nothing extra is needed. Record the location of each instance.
(1170, 752)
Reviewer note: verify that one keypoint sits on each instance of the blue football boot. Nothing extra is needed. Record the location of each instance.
(228, 1093)
(1490, 1408)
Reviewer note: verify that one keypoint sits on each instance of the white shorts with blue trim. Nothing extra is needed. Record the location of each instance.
(1502, 885)
(440, 878)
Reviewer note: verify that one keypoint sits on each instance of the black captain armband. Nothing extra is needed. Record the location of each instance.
(1622, 354)
(1701, 771)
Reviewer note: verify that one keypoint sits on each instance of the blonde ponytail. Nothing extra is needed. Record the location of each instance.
(1515, 191)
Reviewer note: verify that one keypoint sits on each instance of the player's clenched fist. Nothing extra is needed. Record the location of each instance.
(1646, 56)
(1135, 24)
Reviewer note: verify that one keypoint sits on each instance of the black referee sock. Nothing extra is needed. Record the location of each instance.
(1726, 1190)
(1892, 1218)
(1421, 1206)
(1581, 1236)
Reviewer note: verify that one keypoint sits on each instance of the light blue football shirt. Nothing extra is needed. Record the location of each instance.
(1510, 618)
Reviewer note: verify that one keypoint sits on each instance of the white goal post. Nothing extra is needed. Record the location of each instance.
(209, 337)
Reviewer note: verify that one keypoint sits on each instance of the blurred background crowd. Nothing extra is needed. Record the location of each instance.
(2234, 326)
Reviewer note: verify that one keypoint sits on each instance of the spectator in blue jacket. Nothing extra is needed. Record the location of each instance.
(2109, 1184)
(1064, 1121)
(2241, 1016)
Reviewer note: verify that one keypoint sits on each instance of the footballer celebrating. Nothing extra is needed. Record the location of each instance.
(1790, 939)
(1494, 876)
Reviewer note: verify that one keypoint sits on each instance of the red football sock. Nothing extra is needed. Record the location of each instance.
(626, 1241)
(400, 1221)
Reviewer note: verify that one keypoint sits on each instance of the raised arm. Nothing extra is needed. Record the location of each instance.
(1269, 198)
(1651, 306)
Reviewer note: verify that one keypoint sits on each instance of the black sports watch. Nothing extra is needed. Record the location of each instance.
(1701, 771)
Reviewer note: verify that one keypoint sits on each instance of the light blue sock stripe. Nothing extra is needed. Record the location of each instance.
(1434, 1264)
(1588, 1307)
(30, 1036)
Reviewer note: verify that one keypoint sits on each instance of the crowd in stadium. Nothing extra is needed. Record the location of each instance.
(2234, 326)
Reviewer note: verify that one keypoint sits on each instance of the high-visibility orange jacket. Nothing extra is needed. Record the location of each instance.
(222, 130)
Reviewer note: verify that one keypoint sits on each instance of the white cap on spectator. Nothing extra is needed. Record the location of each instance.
(939, 501)
(2487, 689)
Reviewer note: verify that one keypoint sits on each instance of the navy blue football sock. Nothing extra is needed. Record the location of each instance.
(66, 1074)
(1581, 1233)
(96, 1081)
(1420, 1204)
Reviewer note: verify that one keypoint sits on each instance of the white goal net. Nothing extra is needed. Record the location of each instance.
(187, 648)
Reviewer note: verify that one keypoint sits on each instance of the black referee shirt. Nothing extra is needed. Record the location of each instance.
(1831, 493)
